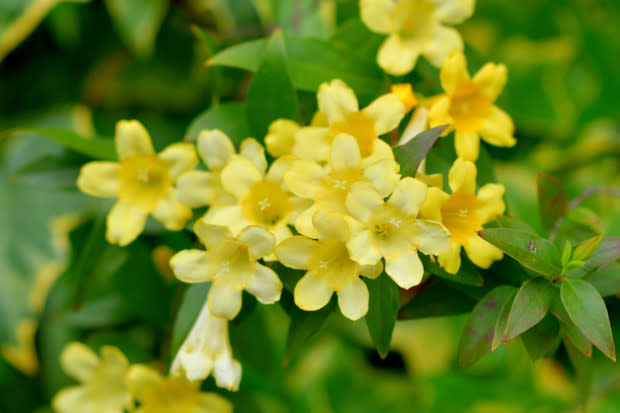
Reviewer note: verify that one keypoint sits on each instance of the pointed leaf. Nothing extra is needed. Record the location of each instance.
(543, 338)
(532, 251)
(502, 319)
(230, 118)
(558, 310)
(552, 200)
(383, 307)
(580, 341)
(478, 334)
(530, 306)
(437, 299)
(96, 148)
(606, 280)
(608, 251)
(410, 155)
(587, 309)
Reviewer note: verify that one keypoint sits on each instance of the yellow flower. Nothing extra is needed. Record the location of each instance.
(23, 354)
(281, 137)
(207, 349)
(464, 213)
(392, 230)
(172, 394)
(231, 264)
(329, 268)
(142, 181)
(467, 106)
(339, 104)
(329, 185)
(103, 388)
(405, 94)
(415, 27)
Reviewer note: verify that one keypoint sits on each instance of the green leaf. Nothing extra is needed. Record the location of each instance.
(587, 309)
(543, 338)
(507, 222)
(410, 155)
(467, 274)
(532, 251)
(502, 319)
(608, 251)
(580, 341)
(271, 94)
(103, 149)
(477, 337)
(101, 312)
(230, 118)
(304, 324)
(138, 22)
(566, 254)
(435, 298)
(583, 367)
(606, 280)
(587, 247)
(382, 311)
(310, 63)
(558, 310)
(530, 306)
(552, 200)
(354, 37)
(194, 299)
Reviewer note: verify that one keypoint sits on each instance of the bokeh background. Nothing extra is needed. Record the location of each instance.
(83, 65)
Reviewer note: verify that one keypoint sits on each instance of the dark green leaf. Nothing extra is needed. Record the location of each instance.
(587, 309)
(607, 251)
(500, 325)
(436, 298)
(580, 341)
(532, 251)
(354, 37)
(230, 118)
(477, 337)
(543, 338)
(194, 299)
(382, 311)
(271, 94)
(101, 312)
(96, 148)
(304, 324)
(410, 155)
(530, 306)
(467, 274)
(552, 203)
(606, 280)
(558, 310)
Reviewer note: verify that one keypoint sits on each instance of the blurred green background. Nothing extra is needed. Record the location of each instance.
(83, 65)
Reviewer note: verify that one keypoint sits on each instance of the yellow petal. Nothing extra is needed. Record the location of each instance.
(432, 238)
(259, 240)
(190, 266)
(132, 139)
(381, 151)
(416, 125)
(438, 113)
(99, 179)
(445, 41)
(431, 208)
(239, 175)
(454, 72)
(311, 293)
(397, 56)
(330, 226)
(255, 152)
(79, 361)
(406, 270)
(304, 178)
(336, 100)
(362, 200)
(214, 403)
(405, 95)
(296, 251)
(231, 217)
(143, 380)
(73, 399)
(303, 223)
(497, 129)
(387, 111)
(372, 271)
(481, 252)
(215, 148)
(467, 145)
(345, 152)
(311, 143)
(124, 223)
(454, 11)
(223, 301)
(353, 299)
(450, 260)
(279, 168)
(179, 158)
(462, 177)
(491, 79)
(172, 213)
(361, 249)
(196, 188)
(491, 202)
(281, 137)
(265, 285)
(383, 176)
(409, 195)
(377, 15)
(211, 235)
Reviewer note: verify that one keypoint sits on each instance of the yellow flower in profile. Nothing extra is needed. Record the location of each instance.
(338, 103)
(415, 27)
(467, 106)
(281, 137)
(329, 185)
(142, 181)
(206, 349)
(329, 267)
(393, 231)
(464, 213)
(231, 265)
(172, 394)
(102, 387)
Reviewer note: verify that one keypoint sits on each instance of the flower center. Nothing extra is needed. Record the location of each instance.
(358, 125)
(144, 181)
(469, 107)
(331, 262)
(266, 204)
(460, 216)
(230, 264)
(390, 230)
(335, 187)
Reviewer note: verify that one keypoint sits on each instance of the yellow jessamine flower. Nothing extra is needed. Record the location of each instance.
(464, 213)
(207, 349)
(415, 27)
(172, 394)
(231, 265)
(329, 185)
(103, 388)
(329, 267)
(467, 106)
(392, 230)
(142, 181)
(405, 94)
(281, 137)
(339, 104)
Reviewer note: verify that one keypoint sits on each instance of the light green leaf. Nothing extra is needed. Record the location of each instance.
(607, 251)
(382, 311)
(530, 306)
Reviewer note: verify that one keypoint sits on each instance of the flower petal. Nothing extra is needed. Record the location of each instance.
(497, 129)
(481, 252)
(304, 178)
(231, 217)
(409, 195)
(179, 158)
(353, 299)
(439, 114)
(377, 15)
(383, 176)
(132, 139)
(172, 213)
(398, 56)
(72, 399)
(227, 373)
(445, 41)
(196, 188)
(431, 208)
(462, 177)
(311, 293)
(223, 301)
(281, 137)
(265, 285)
(99, 179)
(79, 361)
(211, 235)
(190, 266)
(259, 240)
(143, 380)
(215, 148)
(296, 251)
(344, 152)
(361, 249)
(303, 223)
(450, 260)
(454, 12)
(124, 223)
(387, 111)
(406, 270)
(491, 79)
(467, 145)
(330, 226)
(372, 271)
(279, 168)
(255, 152)
(491, 202)
(240, 175)
(454, 72)
(432, 238)
(336, 100)
(311, 143)
(362, 200)
(213, 402)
